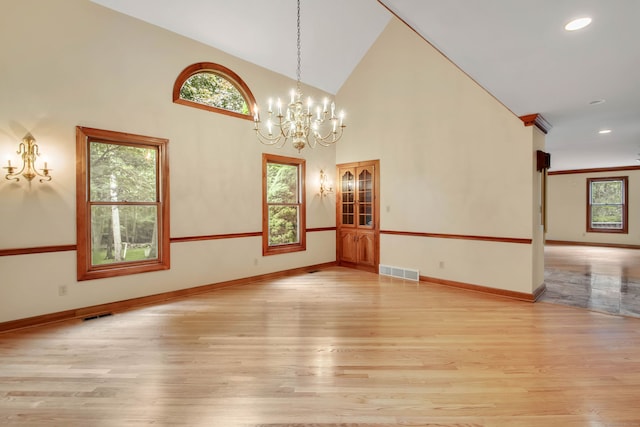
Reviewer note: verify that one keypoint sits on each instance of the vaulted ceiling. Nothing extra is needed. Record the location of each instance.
(518, 50)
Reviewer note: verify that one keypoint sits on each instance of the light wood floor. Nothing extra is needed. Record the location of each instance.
(338, 347)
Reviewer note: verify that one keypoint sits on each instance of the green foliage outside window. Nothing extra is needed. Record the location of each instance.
(607, 198)
(283, 197)
(213, 90)
(123, 194)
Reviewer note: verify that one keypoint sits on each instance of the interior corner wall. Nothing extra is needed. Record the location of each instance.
(568, 209)
(74, 63)
(453, 162)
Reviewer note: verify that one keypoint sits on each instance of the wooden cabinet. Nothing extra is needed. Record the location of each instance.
(358, 247)
(357, 214)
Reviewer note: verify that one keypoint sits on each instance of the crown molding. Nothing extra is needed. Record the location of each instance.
(538, 121)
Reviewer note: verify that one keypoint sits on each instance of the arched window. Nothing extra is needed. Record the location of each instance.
(216, 88)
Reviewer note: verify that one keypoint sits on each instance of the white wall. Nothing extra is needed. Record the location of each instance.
(568, 209)
(453, 160)
(69, 63)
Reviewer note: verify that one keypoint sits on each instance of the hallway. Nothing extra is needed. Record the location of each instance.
(597, 278)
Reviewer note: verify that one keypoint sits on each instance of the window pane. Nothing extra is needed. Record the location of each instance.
(121, 173)
(606, 216)
(606, 192)
(366, 214)
(282, 183)
(283, 225)
(347, 182)
(123, 233)
(214, 90)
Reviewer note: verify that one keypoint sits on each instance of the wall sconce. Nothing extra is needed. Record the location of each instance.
(325, 189)
(28, 150)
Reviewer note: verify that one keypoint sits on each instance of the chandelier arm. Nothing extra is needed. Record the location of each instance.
(13, 176)
(330, 138)
(279, 138)
(266, 140)
(21, 151)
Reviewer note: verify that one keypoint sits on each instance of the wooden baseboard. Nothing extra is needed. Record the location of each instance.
(539, 291)
(521, 296)
(604, 245)
(124, 305)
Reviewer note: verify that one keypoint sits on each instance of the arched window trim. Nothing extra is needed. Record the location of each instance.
(233, 78)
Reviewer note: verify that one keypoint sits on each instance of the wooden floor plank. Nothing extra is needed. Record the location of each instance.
(338, 347)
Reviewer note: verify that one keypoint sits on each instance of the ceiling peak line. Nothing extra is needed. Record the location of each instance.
(397, 16)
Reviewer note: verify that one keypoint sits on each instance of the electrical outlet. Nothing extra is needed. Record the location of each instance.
(62, 290)
(441, 264)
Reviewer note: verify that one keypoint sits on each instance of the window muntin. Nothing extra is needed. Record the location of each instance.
(122, 203)
(213, 87)
(284, 213)
(607, 208)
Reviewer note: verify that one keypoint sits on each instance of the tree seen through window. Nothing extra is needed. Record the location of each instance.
(122, 194)
(607, 204)
(283, 204)
(214, 90)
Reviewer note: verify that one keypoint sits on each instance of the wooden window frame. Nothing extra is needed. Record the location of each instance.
(224, 72)
(85, 269)
(625, 205)
(301, 245)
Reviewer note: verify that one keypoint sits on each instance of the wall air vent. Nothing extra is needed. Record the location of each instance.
(401, 273)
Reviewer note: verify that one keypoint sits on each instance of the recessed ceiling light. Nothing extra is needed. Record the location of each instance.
(597, 101)
(603, 131)
(577, 24)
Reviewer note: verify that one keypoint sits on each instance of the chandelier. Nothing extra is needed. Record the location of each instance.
(298, 121)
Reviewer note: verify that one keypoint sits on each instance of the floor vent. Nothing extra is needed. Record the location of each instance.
(97, 316)
(402, 273)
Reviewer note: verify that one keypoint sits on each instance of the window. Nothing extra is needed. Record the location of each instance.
(283, 206)
(122, 187)
(607, 208)
(212, 87)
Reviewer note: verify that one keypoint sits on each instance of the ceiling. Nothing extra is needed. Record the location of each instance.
(516, 49)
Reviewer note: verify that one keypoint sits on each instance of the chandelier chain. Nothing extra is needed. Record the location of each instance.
(298, 70)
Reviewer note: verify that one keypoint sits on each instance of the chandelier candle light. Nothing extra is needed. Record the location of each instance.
(300, 122)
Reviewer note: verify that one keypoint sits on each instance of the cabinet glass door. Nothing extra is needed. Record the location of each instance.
(348, 198)
(365, 198)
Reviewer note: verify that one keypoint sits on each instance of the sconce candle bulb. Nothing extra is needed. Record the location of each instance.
(28, 150)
